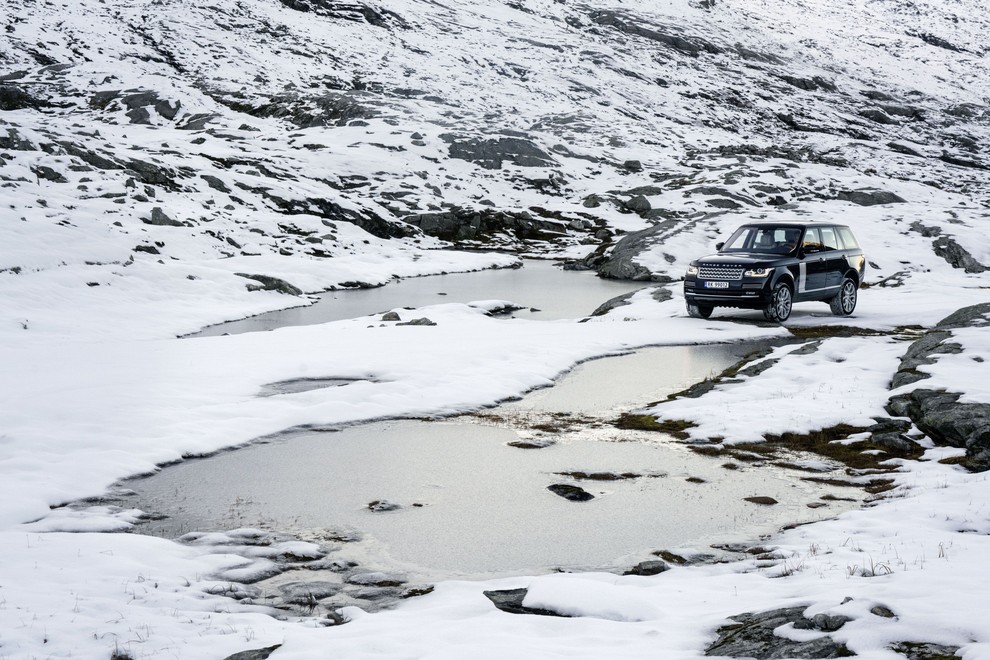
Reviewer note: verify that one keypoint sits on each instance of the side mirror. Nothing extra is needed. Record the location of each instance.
(718, 246)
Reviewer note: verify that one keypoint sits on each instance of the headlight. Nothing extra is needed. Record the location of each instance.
(757, 272)
(692, 269)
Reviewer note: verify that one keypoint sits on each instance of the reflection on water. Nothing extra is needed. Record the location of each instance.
(544, 291)
(474, 506)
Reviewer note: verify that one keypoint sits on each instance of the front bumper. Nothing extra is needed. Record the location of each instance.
(748, 293)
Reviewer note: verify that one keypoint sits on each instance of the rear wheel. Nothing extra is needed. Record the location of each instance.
(844, 301)
(779, 307)
(699, 311)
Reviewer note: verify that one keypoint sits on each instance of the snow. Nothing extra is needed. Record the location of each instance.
(95, 386)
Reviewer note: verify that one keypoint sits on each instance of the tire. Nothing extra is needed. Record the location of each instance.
(781, 301)
(699, 311)
(844, 301)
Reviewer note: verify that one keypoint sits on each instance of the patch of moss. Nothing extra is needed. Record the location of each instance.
(675, 427)
(825, 331)
(854, 455)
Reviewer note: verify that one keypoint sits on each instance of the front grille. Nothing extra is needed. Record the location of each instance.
(720, 272)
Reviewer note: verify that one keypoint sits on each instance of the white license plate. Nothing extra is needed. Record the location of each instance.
(716, 285)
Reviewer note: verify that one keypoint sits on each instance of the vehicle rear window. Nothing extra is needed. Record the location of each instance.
(812, 239)
(848, 240)
(829, 239)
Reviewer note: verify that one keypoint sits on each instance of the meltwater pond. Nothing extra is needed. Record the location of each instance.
(542, 289)
(473, 504)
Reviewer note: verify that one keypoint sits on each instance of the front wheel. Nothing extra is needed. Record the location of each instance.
(779, 307)
(699, 311)
(844, 301)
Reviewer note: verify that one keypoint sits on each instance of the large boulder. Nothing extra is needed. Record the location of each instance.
(622, 263)
(937, 412)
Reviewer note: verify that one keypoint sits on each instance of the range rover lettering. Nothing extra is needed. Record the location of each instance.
(770, 266)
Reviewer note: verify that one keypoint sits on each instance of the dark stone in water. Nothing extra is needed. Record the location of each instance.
(572, 493)
(761, 499)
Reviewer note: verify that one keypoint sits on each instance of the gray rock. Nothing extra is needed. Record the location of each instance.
(649, 567)
(632, 166)
(511, 601)
(689, 45)
(938, 413)
(877, 115)
(925, 651)
(868, 197)
(269, 283)
(491, 153)
(308, 593)
(570, 492)
(420, 321)
(753, 637)
(621, 264)
(256, 654)
(48, 174)
(638, 204)
(160, 218)
(659, 293)
(460, 224)
(956, 255)
(377, 579)
(380, 506)
(13, 141)
(391, 316)
(215, 183)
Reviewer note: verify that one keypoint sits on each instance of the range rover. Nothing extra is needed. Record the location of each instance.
(770, 266)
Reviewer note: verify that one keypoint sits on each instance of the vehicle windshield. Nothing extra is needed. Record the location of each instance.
(770, 240)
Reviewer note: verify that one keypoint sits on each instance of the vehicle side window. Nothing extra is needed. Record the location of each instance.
(829, 239)
(847, 238)
(812, 240)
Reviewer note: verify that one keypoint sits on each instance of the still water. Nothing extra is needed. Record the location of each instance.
(472, 505)
(541, 288)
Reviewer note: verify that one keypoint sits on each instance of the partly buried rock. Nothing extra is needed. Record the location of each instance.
(256, 654)
(379, 506)
(420, 321)
(572, 493)
(753, 636)
(162, 219)
(511, 601)
(939, 413)
(956, 255)
(649, 567)
(659, 293)
(269, 283)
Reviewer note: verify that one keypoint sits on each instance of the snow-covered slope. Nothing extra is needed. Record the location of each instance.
(264, 132)
(160, 158)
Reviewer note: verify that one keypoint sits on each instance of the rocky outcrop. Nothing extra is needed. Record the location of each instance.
(461, 224)
(938, 412)
(870, 197)
(752, 636)
(269, 283)
(492, 152)
(659, 293)
(956, 255)
(621, 264)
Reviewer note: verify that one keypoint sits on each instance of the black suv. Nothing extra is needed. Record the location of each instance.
(769, 266)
